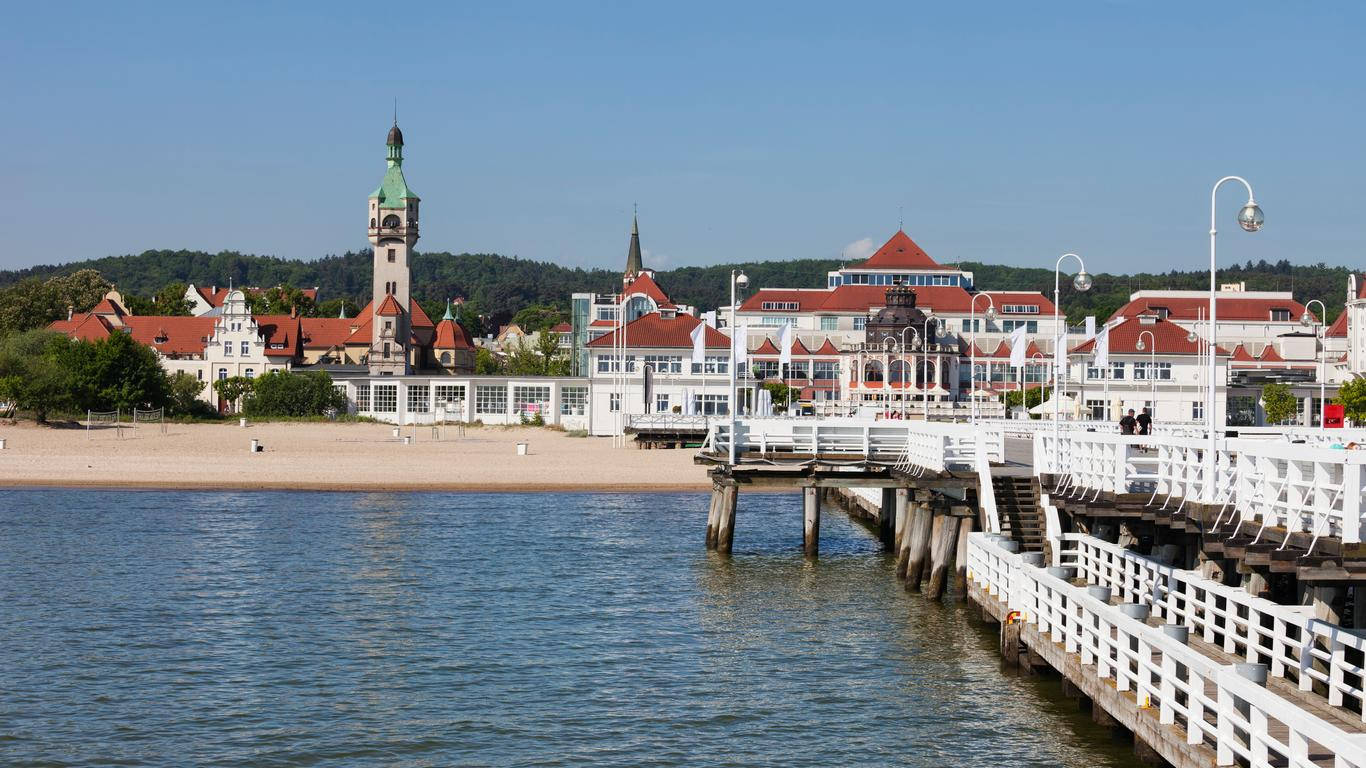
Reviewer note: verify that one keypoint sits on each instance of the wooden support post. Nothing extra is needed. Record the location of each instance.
(941, 557)
(922, 523)
(899, 499)
(1010, 643)
(960, 557)
(713, 515)
(811, 530)
(904, 513)
(725, 528)
(885, 529)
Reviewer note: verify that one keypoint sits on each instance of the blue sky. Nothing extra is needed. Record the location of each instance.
(1008, 133)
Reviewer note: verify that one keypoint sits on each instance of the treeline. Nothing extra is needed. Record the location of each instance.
(496, 287)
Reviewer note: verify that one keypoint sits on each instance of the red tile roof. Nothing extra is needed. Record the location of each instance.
(389, 307)
(645, 284)
(767, 348)
(1241, 355)
(85, 326)
(325, 332)
(1229, 308)
(182, 335)
(1338, 330)
(452, 335)
(900, 252)
(653, 330)
(1270, 355)
(798, 348)
(108, 307)
(419, 318)
(1001, 298)
(562, 328)
(827, 348)
(279, 329)
(1168, 339)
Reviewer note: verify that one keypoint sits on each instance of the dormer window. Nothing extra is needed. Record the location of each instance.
(1162, 312)
(1280, 315)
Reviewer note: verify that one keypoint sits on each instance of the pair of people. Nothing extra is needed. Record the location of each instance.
(1140, 425)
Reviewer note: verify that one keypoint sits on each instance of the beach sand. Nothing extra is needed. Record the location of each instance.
(333, 456)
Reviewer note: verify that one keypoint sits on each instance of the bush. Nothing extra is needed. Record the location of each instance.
(284, 394)
(185, 400)
(1279, 403)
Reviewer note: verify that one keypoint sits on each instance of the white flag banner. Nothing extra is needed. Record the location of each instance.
(741, 344)
(699, 344)
(784, 348)
(1018, 345)
(1090, 327)
(1103, 347)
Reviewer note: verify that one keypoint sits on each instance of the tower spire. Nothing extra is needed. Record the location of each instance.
(634, 266)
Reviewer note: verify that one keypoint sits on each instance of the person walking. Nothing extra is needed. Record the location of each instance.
(1128, 423)
(1145, 422)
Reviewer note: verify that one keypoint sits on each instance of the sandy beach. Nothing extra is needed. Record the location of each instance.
(330, 456)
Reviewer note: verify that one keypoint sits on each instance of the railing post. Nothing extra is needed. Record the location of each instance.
(1351, 503)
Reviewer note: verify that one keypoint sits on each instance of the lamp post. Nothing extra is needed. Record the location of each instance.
(1306, 320)
(1152, 366)
(914, 335)
(924, 359)
(1082, 282)
(737, 279)
(1250, 219)
(988, 316)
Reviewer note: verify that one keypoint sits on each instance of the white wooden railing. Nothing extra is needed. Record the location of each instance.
(1287, 638)
(661, 422)
(907, 444)
(1213, 703)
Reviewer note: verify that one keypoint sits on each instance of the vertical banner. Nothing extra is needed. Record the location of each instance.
(699, 346)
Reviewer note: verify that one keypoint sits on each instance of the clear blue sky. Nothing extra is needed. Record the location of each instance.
(1008, 132)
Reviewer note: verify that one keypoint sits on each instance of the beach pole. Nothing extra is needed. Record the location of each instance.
(811, 530)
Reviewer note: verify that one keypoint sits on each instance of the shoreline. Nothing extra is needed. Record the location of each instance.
(342, 457)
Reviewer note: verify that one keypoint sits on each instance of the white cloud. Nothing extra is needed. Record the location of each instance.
(656, 261)
(859, 250)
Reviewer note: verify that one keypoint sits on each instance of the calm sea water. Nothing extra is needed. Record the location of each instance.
(170, 628)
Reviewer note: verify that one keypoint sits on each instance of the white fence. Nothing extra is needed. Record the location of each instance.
(908, 444)
(670, 422)
(1287, 638)
(1214, 704)
(1296, 486)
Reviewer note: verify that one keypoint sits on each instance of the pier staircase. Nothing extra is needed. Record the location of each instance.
(1017, 506)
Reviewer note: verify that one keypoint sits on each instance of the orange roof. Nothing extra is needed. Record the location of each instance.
(1230, 308)
(827, 348)
(1168, 339)
(1241, 355)
(325, 332)
(900, 252)
(798, 348)
(419, 317)
(1270, 355)
(389, 307)
(451, 335)
(767, 348)
(1338, 330)
(216, 298)
(645, 284)
(178, 335)
(275, 330)
(85, 326)
(654, 330)
(362, 334)
(108, 307)
(562, 328)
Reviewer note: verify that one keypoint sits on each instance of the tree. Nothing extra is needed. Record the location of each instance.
(782, 394)
(539, 317)
(81, 290)
(334, 307)
(486, 364)
(233, 389)
(26, 305)
(1352, 398)
(1032, 397)
(281, 393)
(170, 300)
(185, 400)
(32, 377)
(1278, 403)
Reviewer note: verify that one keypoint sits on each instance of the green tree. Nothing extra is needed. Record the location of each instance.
(28, 304)
(539, 317)
(486, 363)
(782, 394)
(185, 400)
(333, 308)
(1032, 397)
(282, 393)
(81, 290)
(1352, 398)
(32, 376)
(1278, 403)
(233, 389)
(170, 300)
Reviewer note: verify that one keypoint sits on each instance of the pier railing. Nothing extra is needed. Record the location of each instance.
(1214, 704)
(1300, 487)
(906, 444)
(1287, 638)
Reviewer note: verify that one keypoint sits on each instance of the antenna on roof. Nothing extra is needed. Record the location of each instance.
(395, 110)
(900, 218)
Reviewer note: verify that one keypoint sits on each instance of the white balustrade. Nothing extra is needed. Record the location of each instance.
(1211, 702)
(935, 446)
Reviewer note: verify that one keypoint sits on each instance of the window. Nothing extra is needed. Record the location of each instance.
(830, 323)
(781, 306)
(614, 402)
(1197, 411)
(711, 405)
(445, 358)
(799, 370)
(391, 250)
(385, 354)
(531, 399)
(972, 325)
(1280, 315)
(1097, 410)
(872, 371)
(713, 364)
(779, 320)
(222, 373)
(860, 323)
(661, 403)
(453, 395)
(389, 325)
(574, 401)
(246, 349)
(417, 398)
(250, 373)
(385, 398)
(607, 313)
(665, 363)
(826, 370)
(1030, 326)
(1117, 370)
(1161, 371)
(362, 397)
(227, 349)
(765, 369)
(1019, 309)
(490, 398)
(608, 364)
(199, 374)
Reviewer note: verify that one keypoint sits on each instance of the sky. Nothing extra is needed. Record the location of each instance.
(1005, 133)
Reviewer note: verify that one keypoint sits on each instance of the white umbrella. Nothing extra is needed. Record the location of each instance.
(1066, 404)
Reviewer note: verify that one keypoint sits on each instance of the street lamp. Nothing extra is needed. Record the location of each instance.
(1250, 219)
(988, 316)
(737, 280)
(1307, 320)
(1152, 367)
(1082, 282)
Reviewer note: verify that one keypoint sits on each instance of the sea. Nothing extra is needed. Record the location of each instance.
(261, 628)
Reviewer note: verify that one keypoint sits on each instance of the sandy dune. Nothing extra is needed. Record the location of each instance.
(336, 457)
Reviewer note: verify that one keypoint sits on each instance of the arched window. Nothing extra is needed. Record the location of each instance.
(372, 222)
(391, 222)
(638, 306)
(925, 374)
(445, 358)
(899, 372)
(872, 371)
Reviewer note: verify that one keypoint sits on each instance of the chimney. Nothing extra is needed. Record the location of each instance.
(293, 312)
(214, 289)
(69, 310)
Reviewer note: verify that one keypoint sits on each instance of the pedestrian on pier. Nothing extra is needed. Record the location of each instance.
(1145, 422)
(1128, 423)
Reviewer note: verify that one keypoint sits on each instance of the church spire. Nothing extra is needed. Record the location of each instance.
(395, 144)
(633, 262)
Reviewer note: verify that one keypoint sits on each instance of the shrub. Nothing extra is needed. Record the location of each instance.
(281, 393)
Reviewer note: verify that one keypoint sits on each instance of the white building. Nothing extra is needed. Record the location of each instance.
(561, 401)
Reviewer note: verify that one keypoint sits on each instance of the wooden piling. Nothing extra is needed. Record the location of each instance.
(904, 514)
(811, 530)
(725, 528)
(960, 556)
(898, 499)
(922, 533)
(713, 515)
(941, 556)
(886, 529)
